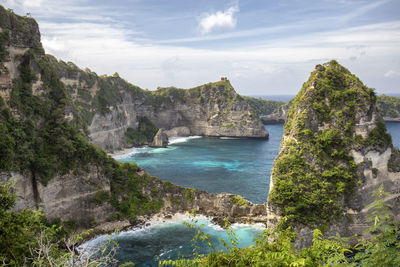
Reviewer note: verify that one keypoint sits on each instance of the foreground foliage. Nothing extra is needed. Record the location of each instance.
(276, 248)
(27, 239)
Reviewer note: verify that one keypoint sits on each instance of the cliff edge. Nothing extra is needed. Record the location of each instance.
(110, 106)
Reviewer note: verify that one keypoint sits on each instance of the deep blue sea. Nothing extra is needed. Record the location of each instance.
(240, 166)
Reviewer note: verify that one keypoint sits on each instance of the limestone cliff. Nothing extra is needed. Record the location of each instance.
(334, 152)
(110, 106)
(278, 115)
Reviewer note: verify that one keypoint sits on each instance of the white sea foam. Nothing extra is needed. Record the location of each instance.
(140, 150)
(162, 254)
(259, 226)
(228, 138)
(181, 139)
(130, 152)
(159, 222)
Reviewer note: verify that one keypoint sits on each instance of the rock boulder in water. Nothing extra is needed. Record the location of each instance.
(160, 139)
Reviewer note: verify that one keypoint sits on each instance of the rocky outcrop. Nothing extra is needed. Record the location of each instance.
(334, 153)
(278, 115)
(218, 206)
(160, 139)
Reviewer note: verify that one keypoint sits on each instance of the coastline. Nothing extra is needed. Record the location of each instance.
(122, 152)
(146, 221)
(172, 140)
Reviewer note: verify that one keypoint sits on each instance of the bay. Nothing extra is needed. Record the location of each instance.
(238, 166)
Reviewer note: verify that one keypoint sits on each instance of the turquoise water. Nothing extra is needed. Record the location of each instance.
(170, 240)
(238, 166)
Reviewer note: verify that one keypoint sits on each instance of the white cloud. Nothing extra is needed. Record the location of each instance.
(392, 74)
(277, 66)
(219, 20)
(266, 65)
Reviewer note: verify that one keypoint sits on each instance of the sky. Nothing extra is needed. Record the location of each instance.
(264, 47)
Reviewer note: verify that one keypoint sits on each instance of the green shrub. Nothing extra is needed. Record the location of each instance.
(388, 106)
(101, 197)
(84, 94)
(176, 201)
(144, 134)
(263, 107)
(239, 201)
(190, 194)
(378, 137)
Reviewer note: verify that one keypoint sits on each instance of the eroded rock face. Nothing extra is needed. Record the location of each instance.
(214, 109)
(17, 38)
(278, 116)
(335, 150)
(66, 197)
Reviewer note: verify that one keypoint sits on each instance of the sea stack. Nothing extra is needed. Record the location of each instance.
(160, 139)
(334, 153)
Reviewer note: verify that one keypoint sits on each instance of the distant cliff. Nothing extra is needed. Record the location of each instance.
(334, 153)
(388, 107)
(110, 106)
